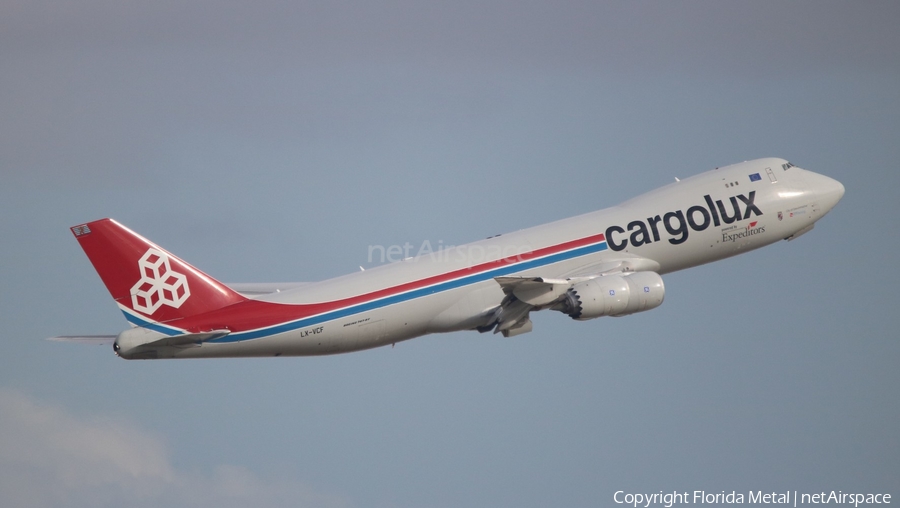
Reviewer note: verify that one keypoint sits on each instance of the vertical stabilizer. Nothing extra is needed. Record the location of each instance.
(146, 280)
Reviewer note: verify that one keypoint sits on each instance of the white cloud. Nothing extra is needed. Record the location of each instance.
(51, 457)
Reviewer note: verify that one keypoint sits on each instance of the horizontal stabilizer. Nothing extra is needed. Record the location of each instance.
(186, 339)
(142, 343)
(95, 340)
(251, 289)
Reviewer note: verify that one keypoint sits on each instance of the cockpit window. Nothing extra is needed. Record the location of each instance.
(786, 166)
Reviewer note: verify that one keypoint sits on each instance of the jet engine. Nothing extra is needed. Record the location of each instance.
(614, 295)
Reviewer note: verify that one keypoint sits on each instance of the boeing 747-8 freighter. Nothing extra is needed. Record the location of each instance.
(605, 263)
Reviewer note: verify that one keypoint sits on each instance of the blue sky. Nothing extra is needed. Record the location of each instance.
(277, 141)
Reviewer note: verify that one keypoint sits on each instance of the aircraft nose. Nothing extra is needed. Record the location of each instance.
(829, 190)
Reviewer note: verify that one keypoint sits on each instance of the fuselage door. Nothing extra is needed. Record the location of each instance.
(772, 177)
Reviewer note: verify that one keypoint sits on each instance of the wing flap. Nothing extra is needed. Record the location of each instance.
(534, 291)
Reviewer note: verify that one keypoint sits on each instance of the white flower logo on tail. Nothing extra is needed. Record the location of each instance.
(158, 285)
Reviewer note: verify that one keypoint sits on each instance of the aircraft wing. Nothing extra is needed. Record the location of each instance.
(534, 291)
(524, 294)
(625, 264)
(177, 340)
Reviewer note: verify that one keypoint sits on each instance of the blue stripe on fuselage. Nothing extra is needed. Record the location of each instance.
(412, 295)
(150, 325)
(382, 302)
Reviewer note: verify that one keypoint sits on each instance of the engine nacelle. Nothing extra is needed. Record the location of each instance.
(615, 295)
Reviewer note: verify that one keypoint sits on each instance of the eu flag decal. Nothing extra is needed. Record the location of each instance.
(755, 177)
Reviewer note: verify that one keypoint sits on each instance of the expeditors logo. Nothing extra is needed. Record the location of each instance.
(735, 233)
(679, 223)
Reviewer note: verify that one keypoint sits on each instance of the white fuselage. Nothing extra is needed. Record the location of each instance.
(671, 228)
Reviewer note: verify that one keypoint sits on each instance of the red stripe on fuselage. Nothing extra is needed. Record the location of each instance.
(255, 314)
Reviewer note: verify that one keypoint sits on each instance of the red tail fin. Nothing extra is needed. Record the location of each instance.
(145, 278)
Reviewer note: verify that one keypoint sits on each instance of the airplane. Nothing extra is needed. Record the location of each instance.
(604, 263)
